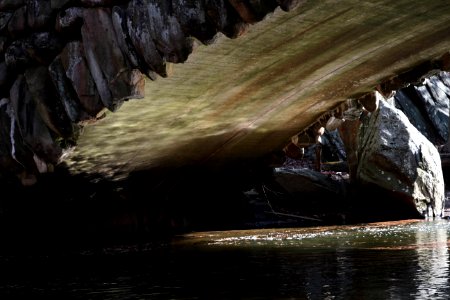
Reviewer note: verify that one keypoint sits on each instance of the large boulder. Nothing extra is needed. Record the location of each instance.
(395, 157)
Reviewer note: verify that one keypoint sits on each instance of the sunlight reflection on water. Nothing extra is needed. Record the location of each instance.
(391, 260)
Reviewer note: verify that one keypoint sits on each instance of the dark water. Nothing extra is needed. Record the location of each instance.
(397, 260)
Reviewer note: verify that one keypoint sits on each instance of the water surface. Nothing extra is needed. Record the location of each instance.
(390, 260)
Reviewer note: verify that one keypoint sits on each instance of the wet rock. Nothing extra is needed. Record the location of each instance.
(396, 157)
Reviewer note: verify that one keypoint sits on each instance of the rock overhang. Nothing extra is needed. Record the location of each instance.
(242, 98)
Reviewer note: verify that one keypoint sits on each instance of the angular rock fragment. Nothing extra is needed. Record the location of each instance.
(77, 71)
(47, 102)
(157, 20)
(8, 160)
(142, 40)
(115, 78)
(33, 129)
(66, 92)
(126, 46)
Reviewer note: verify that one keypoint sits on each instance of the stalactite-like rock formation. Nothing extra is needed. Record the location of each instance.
(63, 62)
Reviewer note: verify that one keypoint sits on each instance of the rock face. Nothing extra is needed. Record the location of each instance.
(395, 156)
(64, 62)
(427, 106)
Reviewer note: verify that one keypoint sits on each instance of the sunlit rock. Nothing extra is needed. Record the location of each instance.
(395, 156)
